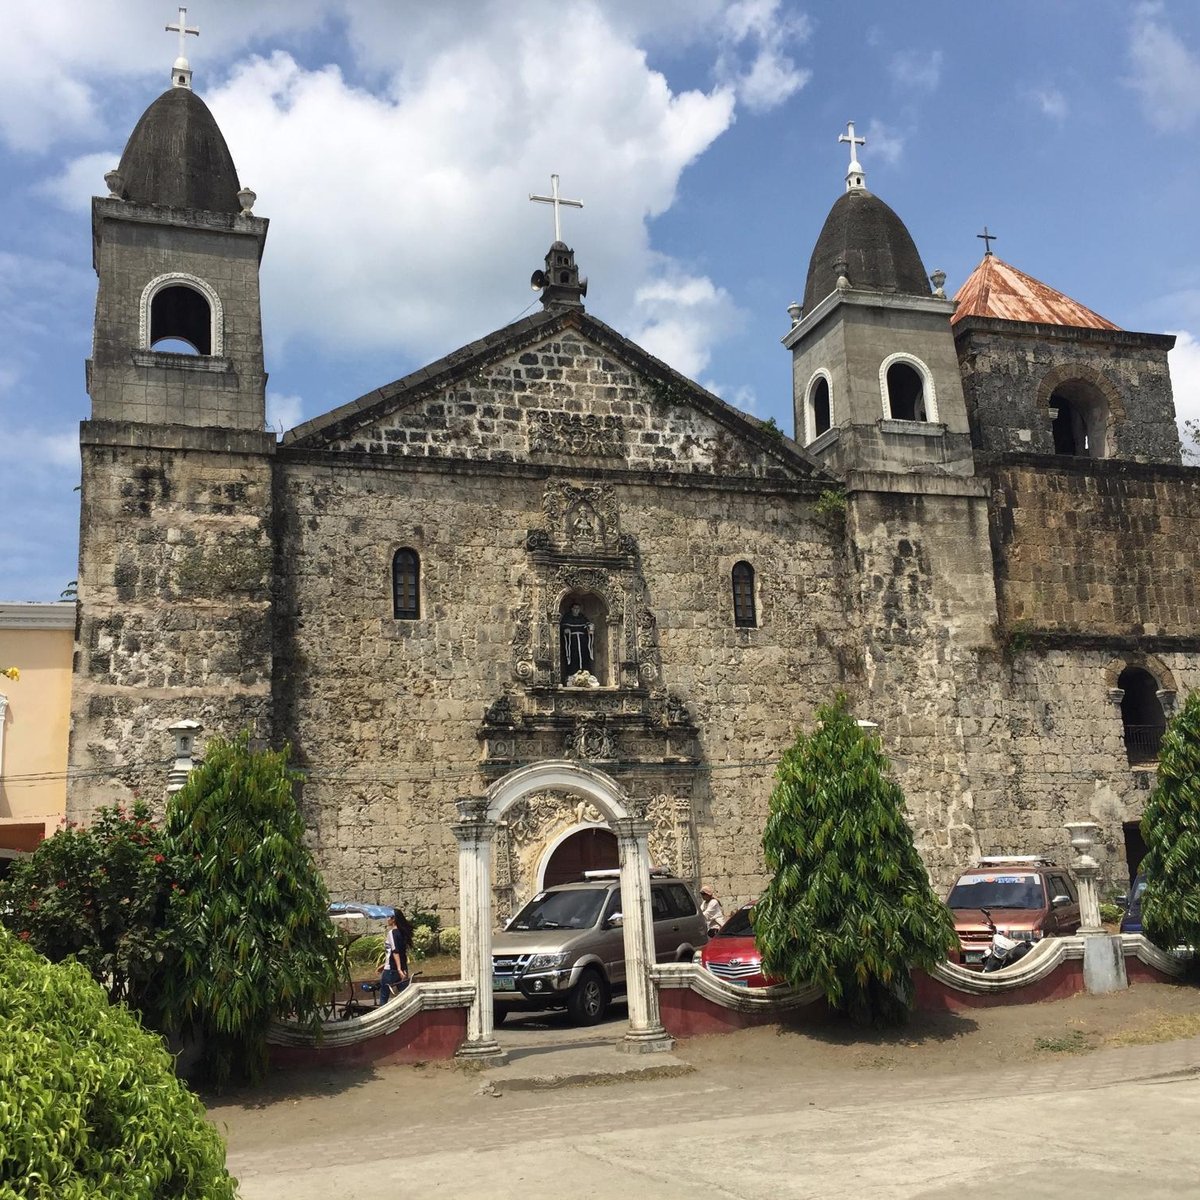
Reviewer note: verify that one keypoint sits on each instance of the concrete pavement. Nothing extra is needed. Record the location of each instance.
(1118, 1122)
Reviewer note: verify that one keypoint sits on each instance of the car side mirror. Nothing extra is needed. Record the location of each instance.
(616, 921)
(1123, 899)
(1060, 900)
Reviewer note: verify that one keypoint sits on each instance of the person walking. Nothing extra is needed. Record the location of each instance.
(394, 976)
(710, 909)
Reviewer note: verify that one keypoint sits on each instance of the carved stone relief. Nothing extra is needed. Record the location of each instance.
(581, 520)
(589, 435)
(590, 741)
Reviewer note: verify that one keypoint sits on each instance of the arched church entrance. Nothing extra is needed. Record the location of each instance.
(475, 832)
(593, 848)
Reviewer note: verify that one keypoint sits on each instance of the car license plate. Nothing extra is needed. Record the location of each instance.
(503, 983)
(739, 982)
(974, 956)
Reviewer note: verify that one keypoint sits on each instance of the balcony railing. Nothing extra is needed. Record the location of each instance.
(1143, 742)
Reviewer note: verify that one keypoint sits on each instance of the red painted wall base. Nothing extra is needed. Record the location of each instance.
(422, 1038)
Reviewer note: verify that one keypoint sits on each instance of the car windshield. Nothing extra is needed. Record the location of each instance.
(997, 891)
(574, 909)
(739, 925)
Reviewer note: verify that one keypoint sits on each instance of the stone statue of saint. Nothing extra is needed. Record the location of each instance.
(578, 642)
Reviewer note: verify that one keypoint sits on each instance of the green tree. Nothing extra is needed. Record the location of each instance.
(100, 894)
(255, 940)
(850, 907)
(89, 1101)
(1171, 829)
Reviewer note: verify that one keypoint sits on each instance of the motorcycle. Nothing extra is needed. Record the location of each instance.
(1004, 950)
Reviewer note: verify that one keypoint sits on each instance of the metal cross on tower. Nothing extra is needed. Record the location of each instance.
(558, 202)
(183, 29)
(855, 142)
(987, 239)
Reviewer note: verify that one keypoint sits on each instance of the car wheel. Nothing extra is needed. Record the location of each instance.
(588, 1001)
(498, 1015)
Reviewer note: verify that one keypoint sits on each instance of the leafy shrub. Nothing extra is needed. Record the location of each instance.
(1111, 913)
(1171, 829)
(101, 894)
(367, 951)
(255, 939)
(830, 504)
(420, 917)
(89, 1101)
(422, 943)
(450, 940)
(850, 907)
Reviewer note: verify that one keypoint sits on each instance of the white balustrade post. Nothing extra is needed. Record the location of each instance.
(646, 1033)
(184, 733)
(475, 833)
(1103, 955)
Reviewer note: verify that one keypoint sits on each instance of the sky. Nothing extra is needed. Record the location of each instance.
(394, 143)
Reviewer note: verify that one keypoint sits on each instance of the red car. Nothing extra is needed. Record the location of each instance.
(731, 953)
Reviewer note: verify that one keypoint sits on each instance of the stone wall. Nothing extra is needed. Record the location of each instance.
(1096, 548)
(1011, 368)
(174, 599)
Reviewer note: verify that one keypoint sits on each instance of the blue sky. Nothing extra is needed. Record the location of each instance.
(393, 145)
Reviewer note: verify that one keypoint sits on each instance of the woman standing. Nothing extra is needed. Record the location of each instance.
(394, 976)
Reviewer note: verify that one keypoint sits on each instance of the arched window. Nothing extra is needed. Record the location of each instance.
(181, 314)
(1079, 420)
(1141, 715)
(406, 585)
(744, 616)
(819, 412)
(906, 393)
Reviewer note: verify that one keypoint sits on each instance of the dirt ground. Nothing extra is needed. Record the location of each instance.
(297, 1105)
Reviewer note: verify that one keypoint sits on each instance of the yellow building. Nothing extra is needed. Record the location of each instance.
(35, 715)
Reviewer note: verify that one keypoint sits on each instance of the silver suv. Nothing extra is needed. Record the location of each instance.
(566, 947)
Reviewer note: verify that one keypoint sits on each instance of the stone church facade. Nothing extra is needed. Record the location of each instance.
(550, 545)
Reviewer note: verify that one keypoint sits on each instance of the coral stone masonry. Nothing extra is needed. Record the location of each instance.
(550, 547)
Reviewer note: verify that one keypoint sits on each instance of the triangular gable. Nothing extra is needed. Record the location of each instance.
(559, 388)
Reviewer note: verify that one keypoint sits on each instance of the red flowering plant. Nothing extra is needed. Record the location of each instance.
(100, 893)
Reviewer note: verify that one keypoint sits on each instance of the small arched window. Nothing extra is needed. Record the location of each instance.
(1141, 715)
(744, 616)
(406, 585)
(1079, 420)
(819, 413)
(182, 314)
(906, 393)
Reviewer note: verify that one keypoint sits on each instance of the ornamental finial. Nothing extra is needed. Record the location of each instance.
(855, 178)
(181, 72)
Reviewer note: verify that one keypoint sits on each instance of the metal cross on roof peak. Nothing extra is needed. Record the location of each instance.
(987, 239)
(183, 29)
(558, 202)
(855, 142)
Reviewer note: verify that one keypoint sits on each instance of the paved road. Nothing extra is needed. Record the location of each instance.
(1051, 1131)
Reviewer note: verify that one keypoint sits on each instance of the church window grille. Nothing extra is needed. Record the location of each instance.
(406, 585)
(181, 313)
(1142, 715)
(907, 389)
(744, 614)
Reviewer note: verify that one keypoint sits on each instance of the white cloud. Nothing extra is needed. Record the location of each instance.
(916, 69)
(884, 142)
(80, 180)
(1051, 102)
(284, 412)
(1184, 360)
(760, 31)
(679, 316)
(403, 221)
(1166, 72)
(34, 447)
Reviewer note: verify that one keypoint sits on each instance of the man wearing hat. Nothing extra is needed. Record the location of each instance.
(710, 909)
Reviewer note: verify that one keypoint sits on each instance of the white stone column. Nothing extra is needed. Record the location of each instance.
(184, 732)
(1103, 955)
(646, 1033)
(475, 833)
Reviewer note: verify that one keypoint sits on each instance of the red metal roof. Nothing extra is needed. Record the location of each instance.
(995, 289)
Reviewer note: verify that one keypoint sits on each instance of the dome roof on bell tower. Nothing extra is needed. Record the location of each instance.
(870, 239)
(177, 156)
